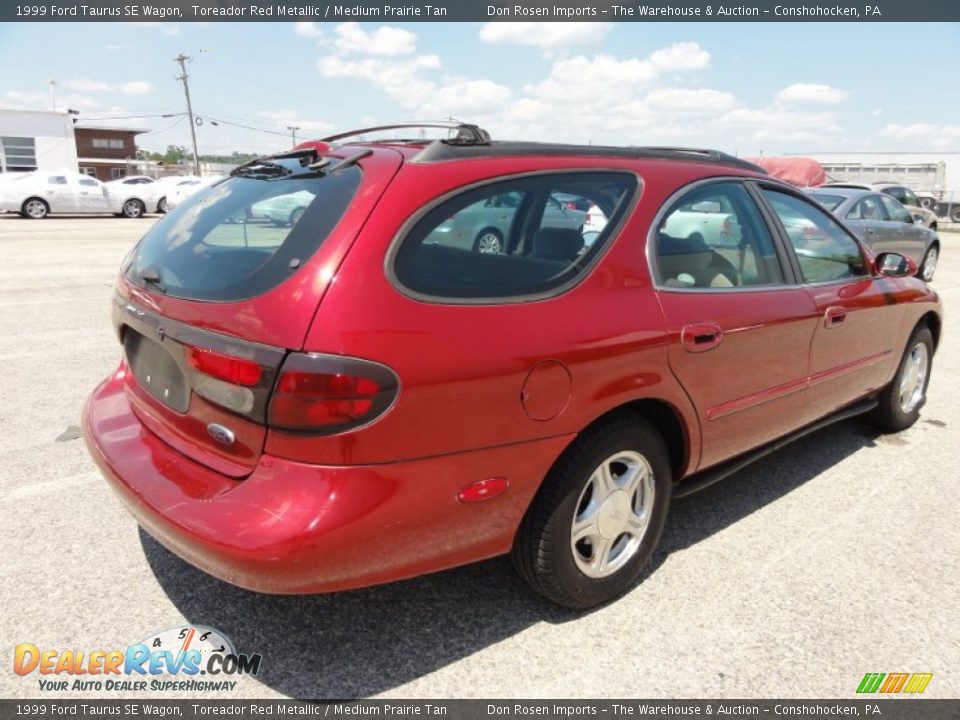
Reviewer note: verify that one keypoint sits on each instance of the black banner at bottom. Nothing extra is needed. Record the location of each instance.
(900, 709)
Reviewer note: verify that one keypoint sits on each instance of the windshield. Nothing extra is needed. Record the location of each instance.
(242, 236)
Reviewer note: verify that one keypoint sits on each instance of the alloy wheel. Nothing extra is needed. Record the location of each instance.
(612, 514)
(914, 380)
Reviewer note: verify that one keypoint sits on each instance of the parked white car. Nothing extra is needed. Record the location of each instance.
(152, 192)
(187, 187)
(38, 194)
(283, 209)
(706, 220)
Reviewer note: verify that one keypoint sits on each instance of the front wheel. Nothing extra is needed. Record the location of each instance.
(162, 206)
(929, 265)
(955, 214)
(901, 400)
(596, 520)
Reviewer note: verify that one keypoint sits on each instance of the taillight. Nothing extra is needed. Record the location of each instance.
(224, 379)
(329, 393)
(225, 367)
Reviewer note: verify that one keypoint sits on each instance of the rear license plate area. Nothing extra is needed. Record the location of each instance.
(157, 371)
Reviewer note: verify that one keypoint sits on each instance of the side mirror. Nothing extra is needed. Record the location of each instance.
(894, 264)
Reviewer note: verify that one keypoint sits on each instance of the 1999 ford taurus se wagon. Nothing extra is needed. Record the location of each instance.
(349, 399)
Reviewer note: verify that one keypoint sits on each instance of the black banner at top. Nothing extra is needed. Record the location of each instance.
(481, 11)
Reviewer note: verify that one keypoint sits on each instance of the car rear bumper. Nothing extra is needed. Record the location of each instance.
(295, 528)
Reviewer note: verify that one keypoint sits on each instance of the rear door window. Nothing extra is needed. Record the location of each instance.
(244, 235)
(515, 239)
(896, 211)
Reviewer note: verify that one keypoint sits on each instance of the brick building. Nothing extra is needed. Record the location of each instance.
(105, 152)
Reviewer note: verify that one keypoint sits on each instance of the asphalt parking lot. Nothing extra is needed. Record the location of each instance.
(835, 557)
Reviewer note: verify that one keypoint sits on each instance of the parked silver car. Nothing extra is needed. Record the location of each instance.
(883, 224)
(901, 193)
(482, 226)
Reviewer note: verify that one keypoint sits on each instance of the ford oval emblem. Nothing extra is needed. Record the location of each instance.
(222, 435)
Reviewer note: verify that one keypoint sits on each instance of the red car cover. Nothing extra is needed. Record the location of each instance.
(799, 171)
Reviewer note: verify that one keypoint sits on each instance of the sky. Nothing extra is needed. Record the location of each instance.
(747, 88)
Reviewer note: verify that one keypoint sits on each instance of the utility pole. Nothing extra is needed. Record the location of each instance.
(293, 133)
(182, 59)
(53, 95)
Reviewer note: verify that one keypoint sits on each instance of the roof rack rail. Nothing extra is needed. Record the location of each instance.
(467, 134)
(440, 151)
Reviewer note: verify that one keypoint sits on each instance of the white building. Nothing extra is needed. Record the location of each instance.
(36, 140)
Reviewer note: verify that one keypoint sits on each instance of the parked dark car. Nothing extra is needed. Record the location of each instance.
(340, 402)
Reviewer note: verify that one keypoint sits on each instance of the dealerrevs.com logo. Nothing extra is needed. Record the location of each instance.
(193, 658)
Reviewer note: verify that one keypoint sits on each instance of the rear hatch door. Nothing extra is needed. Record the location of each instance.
(217, 293)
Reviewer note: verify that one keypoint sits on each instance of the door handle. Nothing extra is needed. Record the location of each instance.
(700, 337)
(834, 316)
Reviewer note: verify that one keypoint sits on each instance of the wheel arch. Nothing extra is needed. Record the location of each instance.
(933, 322)
(667, 419)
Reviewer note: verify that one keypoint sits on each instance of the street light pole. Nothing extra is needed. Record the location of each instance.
(293, 133)
(182, 59)
(53, 95)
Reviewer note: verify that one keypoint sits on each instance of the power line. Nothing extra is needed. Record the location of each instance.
(245, 127)
(133, 117)
(168, 127)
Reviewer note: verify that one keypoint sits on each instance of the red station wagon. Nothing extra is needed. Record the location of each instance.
(357, 394)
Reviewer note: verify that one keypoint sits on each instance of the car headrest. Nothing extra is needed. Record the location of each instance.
(557, 243)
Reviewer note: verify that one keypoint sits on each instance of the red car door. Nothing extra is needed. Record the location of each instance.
(740, 325)
(853, 349)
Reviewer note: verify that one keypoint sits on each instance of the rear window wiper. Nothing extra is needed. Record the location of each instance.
(151, 276)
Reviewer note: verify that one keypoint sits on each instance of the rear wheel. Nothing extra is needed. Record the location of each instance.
(901, 400)
(955, 214)
(35, 209)
(929, 265)
(596, 520)
(488, 242)
(296, 215)
(133, 208)
(162, 205)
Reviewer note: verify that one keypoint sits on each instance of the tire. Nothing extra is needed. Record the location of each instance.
(296, 215)
(955, 214)
(929, 265)
(133, 208)
(489, 241)
(574, 574)
(162, 206)
(35, 208)
(896, 413)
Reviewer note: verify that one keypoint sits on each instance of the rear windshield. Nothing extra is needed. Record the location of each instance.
(244, 235)
(830, 202)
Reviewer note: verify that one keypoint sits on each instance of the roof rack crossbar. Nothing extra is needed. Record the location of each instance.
(466, 134)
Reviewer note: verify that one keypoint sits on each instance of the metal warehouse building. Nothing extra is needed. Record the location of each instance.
(936, 173)
(35, 140)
